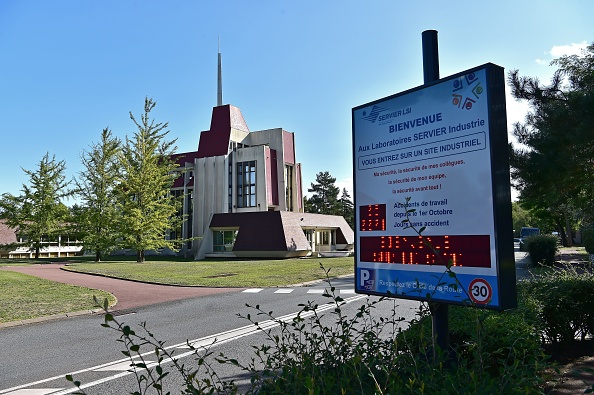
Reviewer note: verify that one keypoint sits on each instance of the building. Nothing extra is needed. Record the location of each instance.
(243, 194)
(12, 245)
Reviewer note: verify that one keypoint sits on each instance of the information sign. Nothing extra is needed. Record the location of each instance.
(440, 151)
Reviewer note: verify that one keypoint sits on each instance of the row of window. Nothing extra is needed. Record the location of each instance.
(224, 240)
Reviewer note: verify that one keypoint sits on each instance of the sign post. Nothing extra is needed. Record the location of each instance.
(439, 311)
(432, 193)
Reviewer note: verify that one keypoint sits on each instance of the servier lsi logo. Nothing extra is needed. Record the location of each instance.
(373, 114)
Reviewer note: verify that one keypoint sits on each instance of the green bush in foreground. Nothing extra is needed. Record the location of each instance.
(542, 249)
(563, 302)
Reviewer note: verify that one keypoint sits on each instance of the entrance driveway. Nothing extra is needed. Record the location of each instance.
(129, 294)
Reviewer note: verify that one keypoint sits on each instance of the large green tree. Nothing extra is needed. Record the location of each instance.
(553, 164)
(346, 208)
(97, 217)
(324, 199)
(148, 209)
(39, 212)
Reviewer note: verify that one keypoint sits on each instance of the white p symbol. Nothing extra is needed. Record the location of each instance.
(364, 277)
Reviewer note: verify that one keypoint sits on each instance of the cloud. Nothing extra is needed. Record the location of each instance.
(572, 49)
(563, 50)
(345, 183)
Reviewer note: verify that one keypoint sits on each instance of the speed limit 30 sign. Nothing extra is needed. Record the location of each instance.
(480, 291)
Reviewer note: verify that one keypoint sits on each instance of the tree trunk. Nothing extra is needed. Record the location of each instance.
(97, 256)
(569, 236)
(140, 256)
(561, 229)
(37, 248)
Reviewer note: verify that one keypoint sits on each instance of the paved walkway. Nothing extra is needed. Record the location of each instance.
(129, 294)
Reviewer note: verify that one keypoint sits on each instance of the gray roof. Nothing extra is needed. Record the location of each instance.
(7, 234)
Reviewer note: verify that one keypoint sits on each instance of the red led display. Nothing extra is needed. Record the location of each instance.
(469, 251)
(372, 217)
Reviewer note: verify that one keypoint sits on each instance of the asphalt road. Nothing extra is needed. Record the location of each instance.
(38, 356)
(35, 358)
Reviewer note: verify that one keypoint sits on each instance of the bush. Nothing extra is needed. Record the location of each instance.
(588, 239)
(542, 249)
(563, 303)
(493, 340)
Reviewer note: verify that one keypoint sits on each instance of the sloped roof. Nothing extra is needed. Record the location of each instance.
(215, 142)
(279, 230)
(7, 234)
(322, 221)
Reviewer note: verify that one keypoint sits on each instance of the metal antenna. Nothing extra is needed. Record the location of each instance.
(220, 79)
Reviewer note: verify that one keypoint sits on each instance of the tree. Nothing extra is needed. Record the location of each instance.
(553, 168)
(97, 218)
(325, 195)
(148, 209)
(39, 212)
(347, 208)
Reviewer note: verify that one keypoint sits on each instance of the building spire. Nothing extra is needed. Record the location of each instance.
(220, 79)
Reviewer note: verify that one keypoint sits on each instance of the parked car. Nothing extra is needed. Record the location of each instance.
(527, 232)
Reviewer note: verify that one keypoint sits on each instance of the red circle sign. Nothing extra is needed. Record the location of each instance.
(480, 291)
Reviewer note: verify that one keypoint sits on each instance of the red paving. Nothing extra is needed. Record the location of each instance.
(130, 294)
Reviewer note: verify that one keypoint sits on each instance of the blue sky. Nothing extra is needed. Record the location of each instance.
(70, 68)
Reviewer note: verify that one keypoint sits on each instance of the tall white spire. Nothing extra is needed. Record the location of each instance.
(220, 79)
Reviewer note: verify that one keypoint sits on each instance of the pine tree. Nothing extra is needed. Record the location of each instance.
(147, 207)
(97, 218)
(553, 168)
(347, 208)
(39, 212)
(325, 195)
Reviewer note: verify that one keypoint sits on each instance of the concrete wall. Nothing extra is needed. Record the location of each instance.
(210, 194)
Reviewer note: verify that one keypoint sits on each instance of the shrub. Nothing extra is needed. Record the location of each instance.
(588, 239)
(562, 300)
(542, 249)
(490, 339)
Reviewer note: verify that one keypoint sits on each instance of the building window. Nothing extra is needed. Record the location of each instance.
(223, 240)
(230, 185)
(177, 232)
(289, 187)
(246, 184)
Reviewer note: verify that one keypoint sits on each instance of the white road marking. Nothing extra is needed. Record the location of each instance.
(253, 290)
(316, 291)
(35, 391)
(284, 290)
(121, 366)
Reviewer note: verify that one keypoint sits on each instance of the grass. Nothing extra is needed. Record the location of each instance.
(220, 273)
(24, 297)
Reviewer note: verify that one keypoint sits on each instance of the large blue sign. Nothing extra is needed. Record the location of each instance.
(432, 194)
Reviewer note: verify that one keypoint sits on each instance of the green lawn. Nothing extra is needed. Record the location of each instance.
(25, 297)
(221, 273)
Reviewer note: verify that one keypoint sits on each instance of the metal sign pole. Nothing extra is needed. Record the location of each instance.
(439, 311)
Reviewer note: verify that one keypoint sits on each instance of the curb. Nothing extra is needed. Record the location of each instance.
(52, 317)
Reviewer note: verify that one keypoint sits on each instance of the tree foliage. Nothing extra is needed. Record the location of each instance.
(97, 217)
(147, 207)
(325, 196)
(553, 167)
(347, 208)
(39, 212)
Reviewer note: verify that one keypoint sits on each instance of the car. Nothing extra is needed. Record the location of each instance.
(527, 232)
